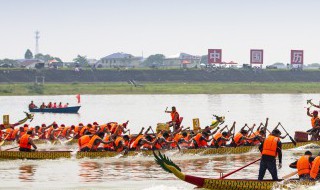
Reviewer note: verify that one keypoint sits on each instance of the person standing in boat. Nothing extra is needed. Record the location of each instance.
(315, 122)
(270, 148)
(25, 142)
(175, 118)
(303, 165)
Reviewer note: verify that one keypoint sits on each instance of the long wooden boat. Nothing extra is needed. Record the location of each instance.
(72, 109)
(68, 154)
(218, 184)
(201, 151)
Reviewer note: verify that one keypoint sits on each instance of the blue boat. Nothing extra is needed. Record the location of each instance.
(73, 109)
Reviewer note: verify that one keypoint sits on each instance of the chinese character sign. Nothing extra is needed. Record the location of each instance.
(256, 56)
(214, 56)
(296, 56)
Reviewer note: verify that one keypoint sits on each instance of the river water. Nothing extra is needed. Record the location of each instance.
(141, 172)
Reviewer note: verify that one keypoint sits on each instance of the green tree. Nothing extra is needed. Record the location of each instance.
(154, 59)
(46, 57)
(81, 60)
(28, 54)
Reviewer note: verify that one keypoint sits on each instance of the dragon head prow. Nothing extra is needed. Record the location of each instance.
(165, 163)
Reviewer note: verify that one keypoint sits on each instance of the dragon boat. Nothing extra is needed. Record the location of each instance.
(218, 184)
(199, 151)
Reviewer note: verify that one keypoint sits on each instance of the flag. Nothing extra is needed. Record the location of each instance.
(78, 98)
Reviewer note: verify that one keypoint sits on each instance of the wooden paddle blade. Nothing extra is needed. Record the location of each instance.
(1, 143)
(289, 175)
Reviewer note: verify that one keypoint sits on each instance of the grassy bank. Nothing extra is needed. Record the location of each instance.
(157, 88)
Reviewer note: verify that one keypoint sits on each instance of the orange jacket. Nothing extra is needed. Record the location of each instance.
(217, 139)
(110, 145)
(315, 167)
(237, 139)
(313, 121)
(136, 142)
(200, 143)
(24, 141)
(175, 119)
(91, 144)
(83, 141)
(270, 146)
(83, 130)
(303, 165)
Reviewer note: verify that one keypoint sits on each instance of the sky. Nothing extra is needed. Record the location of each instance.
(97, 28)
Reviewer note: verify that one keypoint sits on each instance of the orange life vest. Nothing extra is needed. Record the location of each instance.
(118, 140)
(200, 143)
(253, 135)
(313, 121)
(315, 167)
(136, 141)
(303, 165)
(237, 139)
(173, 117)
(83, 141)
(9, 132)
(83, 130)
(218, 140)
(64, 131)
(14, 134)
(24, 141)
(108, 146)
(270, 146)
(91, 144)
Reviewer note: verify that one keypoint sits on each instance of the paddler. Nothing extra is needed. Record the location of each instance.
(201, 140)
(314, 173)
(303, 165)
(96, 140)
(25, 142)
(315, 122)
(270, 148)
(240, 138)
(175, 118)
(84, 141)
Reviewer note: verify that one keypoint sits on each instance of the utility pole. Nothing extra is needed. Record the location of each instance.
(37, 43)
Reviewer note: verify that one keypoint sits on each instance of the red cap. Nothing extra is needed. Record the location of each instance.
(25, 125)
(81, 124)
(95, 123)
(315, 112)
(62, 125)
(43, 125)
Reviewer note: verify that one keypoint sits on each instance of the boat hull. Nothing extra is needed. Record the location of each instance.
(73, 109)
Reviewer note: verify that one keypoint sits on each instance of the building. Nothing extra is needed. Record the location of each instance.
(182, 60)
(119, 60)
(31, 63)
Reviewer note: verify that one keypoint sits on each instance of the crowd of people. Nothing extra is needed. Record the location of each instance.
(49, 105)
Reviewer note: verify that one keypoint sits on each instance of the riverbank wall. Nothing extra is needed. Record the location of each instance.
(70, 76)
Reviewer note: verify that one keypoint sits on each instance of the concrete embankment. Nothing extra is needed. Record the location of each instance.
(69, 76)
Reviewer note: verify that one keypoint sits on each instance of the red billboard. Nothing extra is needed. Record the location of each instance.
(297, 57)
(256, 56)
(214, 56)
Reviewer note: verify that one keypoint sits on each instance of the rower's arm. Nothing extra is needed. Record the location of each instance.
(32, 143)
(308, 112)
(293, 164)
(215, 131)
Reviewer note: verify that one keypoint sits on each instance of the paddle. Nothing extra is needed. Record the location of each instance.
(289, 175)
(292, 140)
(224, 176)
(11, 148)
(2, 142)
